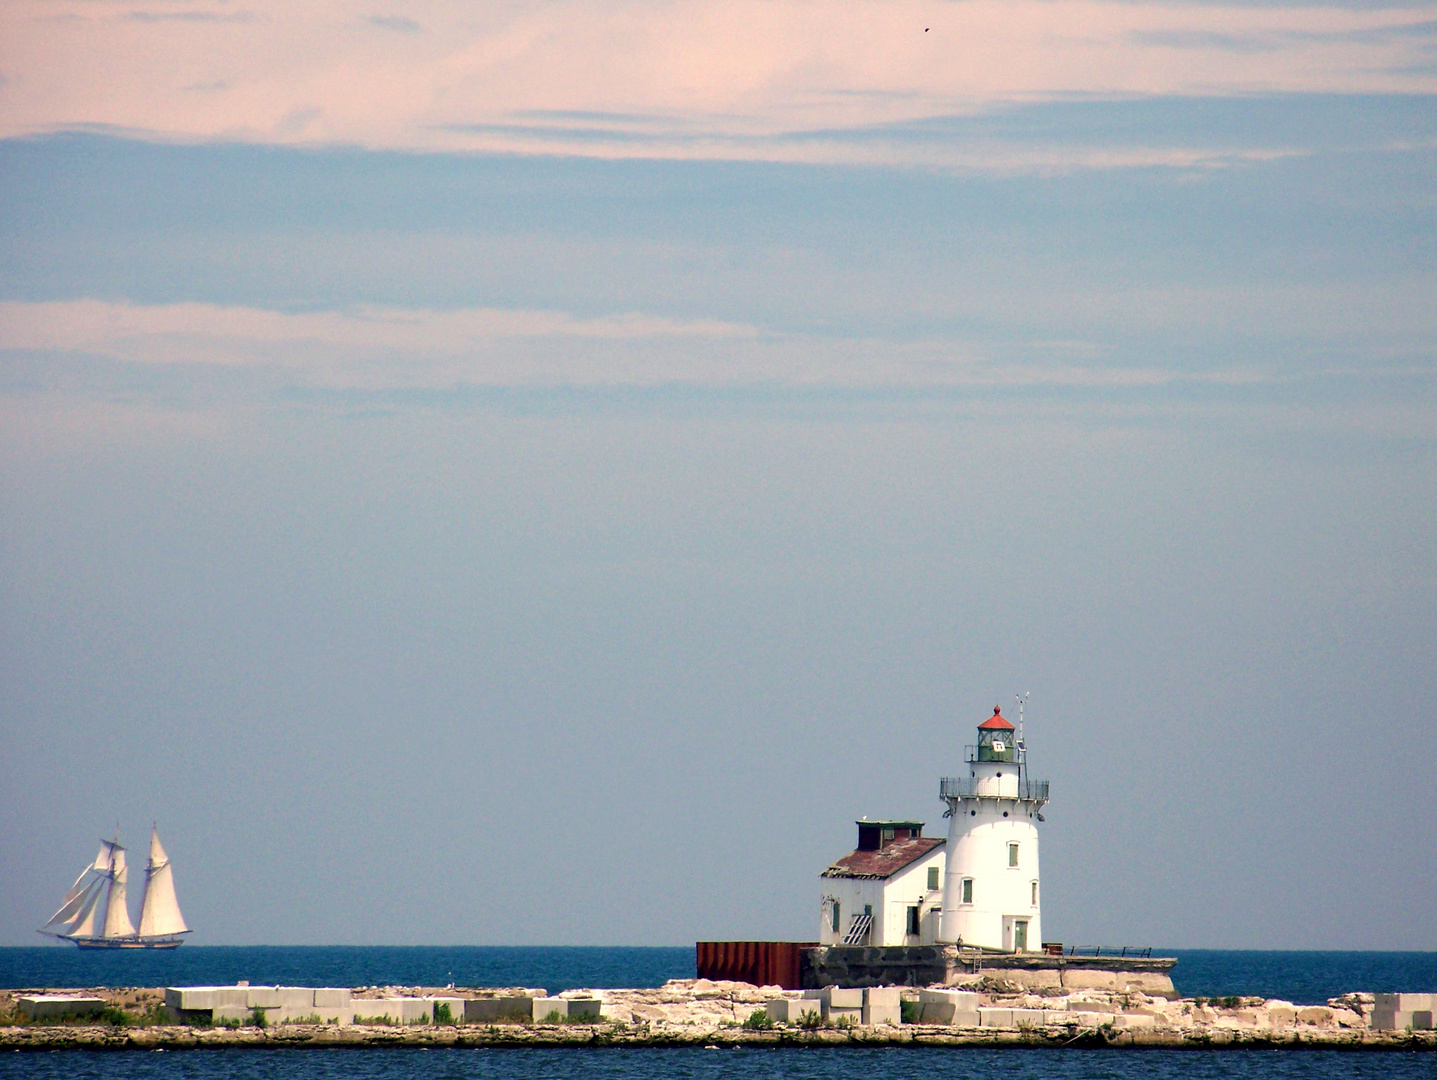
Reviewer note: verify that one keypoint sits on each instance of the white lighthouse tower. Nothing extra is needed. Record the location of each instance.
(990, 892)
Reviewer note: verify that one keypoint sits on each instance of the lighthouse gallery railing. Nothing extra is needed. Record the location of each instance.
(966, 787)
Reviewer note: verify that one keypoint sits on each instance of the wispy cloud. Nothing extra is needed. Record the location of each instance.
(1204, 39)
(375, 348)
(185, 16)
(393, 22)
(801, 80)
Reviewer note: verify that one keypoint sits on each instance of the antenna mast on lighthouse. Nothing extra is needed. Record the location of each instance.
(1022, 746)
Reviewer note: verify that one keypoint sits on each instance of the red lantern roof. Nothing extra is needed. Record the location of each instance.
(995, 722)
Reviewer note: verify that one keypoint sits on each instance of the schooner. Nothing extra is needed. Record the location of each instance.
(95, 914)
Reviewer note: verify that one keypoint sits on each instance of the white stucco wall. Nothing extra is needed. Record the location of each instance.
(980, 830)
(890, 899)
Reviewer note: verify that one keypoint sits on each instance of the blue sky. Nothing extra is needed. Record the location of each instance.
(538, 483)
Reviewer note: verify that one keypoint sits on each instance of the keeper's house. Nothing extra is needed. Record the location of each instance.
(887, 892)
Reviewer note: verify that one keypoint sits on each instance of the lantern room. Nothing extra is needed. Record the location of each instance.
(996, 739)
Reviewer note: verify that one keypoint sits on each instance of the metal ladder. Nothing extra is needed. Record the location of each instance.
(858, 929)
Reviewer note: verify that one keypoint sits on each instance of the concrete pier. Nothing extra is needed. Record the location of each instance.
(698, 1012)
(950, 965)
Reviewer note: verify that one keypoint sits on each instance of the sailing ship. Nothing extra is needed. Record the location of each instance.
(95, 914)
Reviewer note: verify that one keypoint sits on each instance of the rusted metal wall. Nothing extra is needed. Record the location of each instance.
(763, 963)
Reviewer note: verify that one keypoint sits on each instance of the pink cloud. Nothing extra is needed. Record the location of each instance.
(678, 79)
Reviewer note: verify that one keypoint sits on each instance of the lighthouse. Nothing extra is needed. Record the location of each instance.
(990, 892)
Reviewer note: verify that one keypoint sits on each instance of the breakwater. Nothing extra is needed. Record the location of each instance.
(702, 1013)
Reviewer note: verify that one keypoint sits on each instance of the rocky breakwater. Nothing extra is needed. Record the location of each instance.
(705, 1013)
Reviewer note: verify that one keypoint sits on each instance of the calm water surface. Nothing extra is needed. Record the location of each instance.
(1306, 978)
(815, 1064)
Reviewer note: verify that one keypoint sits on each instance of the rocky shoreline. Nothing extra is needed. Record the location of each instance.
(699, 1013)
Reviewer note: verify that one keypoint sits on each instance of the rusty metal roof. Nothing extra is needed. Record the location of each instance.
(885, 862)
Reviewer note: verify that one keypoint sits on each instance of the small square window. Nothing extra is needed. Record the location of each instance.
(932, 877)
(967, 890)
(1012, 854)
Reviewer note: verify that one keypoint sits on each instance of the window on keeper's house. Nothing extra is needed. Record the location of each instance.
(932, 877)
(835, 917)
(913, 921)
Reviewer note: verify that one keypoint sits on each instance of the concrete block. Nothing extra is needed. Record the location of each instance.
(393, 1010)
(414, 1010)
(792, 1010)
(585, 1008)
(838, 997)
(967, 1018)
(481, 1010)
(1402, 1019)
(837, 1002)
(995, 1018)
(542, 1009)
(936, 1012)
(1089, 1006)
(266, 997)
(195, 998)
(1053, 1018)
(50, 1006)
(1027, 1018)
(1403, 1002)
(881, 1014)
(313, 1014)
(1314, 1014)
(1094, 1019)
(456, 1007)
(228, 1014)
(326, 997)
(882, 1005)
(964, 1000)
(375, 1010)
(517, 1008)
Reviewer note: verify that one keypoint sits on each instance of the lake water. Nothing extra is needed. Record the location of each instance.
(1302, 977)
(736, 1064)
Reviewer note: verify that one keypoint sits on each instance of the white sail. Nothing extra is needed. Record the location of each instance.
(73, 900)
(106, 857)
(160, 912)
(92, 916)
(117, 916)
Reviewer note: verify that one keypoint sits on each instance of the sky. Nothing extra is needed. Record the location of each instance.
(536, 473)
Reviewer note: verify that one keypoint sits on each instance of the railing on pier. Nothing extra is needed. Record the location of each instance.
(966, 787)
(1110, 950)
